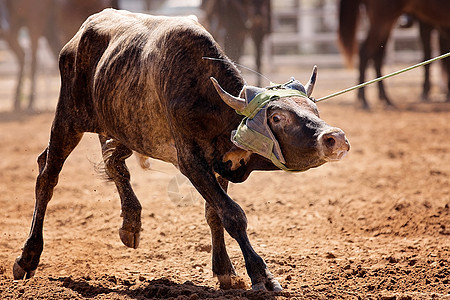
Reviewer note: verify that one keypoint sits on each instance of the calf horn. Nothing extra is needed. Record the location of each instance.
(236, 103)
(312, 81)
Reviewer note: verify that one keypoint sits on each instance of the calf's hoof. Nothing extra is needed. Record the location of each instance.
(129, 239)
(270, 285)
(231, 282)
(19, 273)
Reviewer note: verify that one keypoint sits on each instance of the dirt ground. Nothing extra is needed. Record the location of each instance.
(373, 226)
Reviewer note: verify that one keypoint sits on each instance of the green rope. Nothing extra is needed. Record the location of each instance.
(383, 77)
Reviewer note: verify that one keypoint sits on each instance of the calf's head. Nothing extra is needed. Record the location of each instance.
(282, 124)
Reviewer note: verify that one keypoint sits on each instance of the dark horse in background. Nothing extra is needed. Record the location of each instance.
(382, 15)
(444, 47)
(231, 21)
(56, 20)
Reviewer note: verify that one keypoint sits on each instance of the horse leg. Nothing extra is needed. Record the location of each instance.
(63, 140)
(258, 42)
(378, 62)
(381, 23)
(444, 45)
(114, 156)
(221, 264)
(13, 42)
(234, 46)
(34, 46)
(425, 38)
(53, 39)
(363, 62)
(376, 41)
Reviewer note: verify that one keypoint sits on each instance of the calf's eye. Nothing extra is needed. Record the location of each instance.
(276, 118)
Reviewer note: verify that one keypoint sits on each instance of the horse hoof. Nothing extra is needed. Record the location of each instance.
(129, 239)
(390, 107)
(363, 106)
(425, 98)
(19, 273)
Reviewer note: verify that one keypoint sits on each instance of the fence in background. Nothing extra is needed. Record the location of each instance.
(304, 32)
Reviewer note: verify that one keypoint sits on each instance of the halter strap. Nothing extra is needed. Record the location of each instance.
(250, 139)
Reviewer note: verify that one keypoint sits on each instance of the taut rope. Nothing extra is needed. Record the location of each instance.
(383, 77)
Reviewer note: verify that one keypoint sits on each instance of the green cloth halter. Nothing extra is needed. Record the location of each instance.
(250, 139)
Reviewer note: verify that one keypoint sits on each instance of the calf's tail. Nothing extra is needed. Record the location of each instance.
(144, 161)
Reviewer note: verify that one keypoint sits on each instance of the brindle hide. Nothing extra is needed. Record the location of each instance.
(140, 82)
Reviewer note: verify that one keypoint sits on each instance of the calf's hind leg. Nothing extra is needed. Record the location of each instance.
(114, 156)
(62, 142)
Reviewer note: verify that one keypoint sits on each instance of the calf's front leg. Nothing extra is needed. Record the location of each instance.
(230, 215)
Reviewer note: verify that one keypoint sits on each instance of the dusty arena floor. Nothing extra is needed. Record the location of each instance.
(373, 226)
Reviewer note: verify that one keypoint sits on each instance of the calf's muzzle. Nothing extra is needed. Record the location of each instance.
(333, 145)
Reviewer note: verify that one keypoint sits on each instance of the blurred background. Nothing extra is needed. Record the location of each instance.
(278, 38)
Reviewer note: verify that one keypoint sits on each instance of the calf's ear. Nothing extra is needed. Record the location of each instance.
(249, 92)
(312, 81)
(296, 85)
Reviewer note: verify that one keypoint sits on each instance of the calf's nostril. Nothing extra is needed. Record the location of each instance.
(330, 142)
